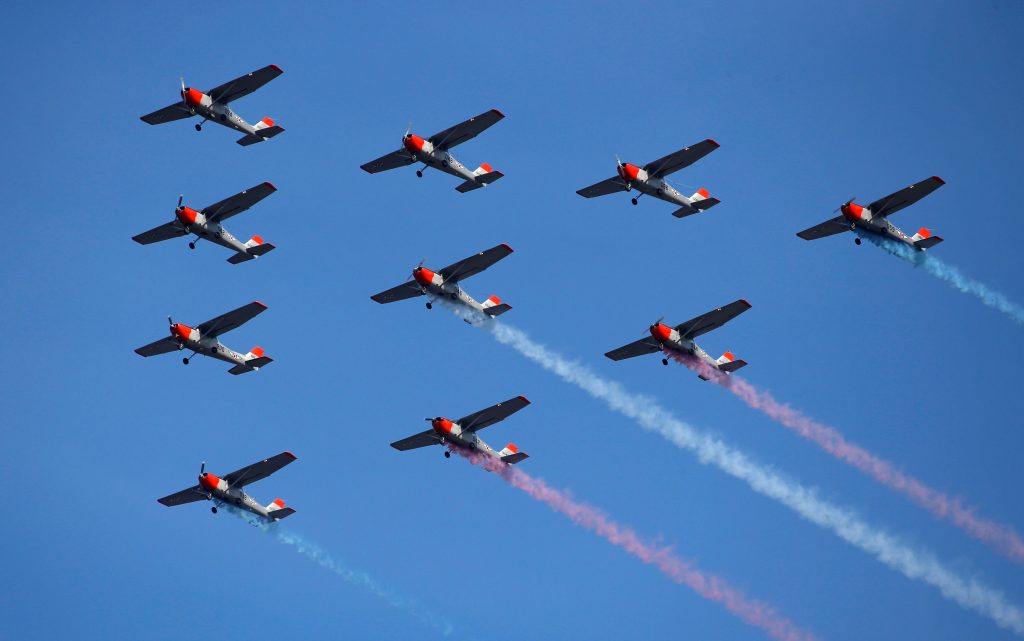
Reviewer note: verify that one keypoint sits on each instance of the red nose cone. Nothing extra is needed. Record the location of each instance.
(186, 215)
(852, 211)
(661, 332)
(628, 172)
(192, 96)
(181, 332)
(413, 143)
(209, 481)
(423, 276)
(441, 425)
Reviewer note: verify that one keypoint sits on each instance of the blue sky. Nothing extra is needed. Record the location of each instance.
(811, 103)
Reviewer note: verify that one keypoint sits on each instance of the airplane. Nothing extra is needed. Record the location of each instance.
(206, 223)
(213, 106)
(228, 489)
(433, 152)
(445, 283)
(463, 432)
(680, 339)
(650, 180)
(874, 218)
(204, 339)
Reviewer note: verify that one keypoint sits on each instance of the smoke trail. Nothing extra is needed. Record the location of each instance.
(336, 565)
(709, 586)
(645, 411)
(950, 274)
(1003, 538)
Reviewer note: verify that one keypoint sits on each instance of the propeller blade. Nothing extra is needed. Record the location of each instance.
(618, 160)
(202, 467)
(182, 78)
(408, 129)
(429, 420)
(169, 321)
(421, 262)
(181, 197)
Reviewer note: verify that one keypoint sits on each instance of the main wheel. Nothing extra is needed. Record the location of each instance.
(447, 454)
(454, 296)
(430, 306)
(184, 361)
(664, 361)
(213, 509)
(419, 173)
(633, 201)
(191, 245)
(659, 192)
(199, 127)
(856, 240)
(223, 118)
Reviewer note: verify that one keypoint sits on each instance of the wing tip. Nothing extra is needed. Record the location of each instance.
(941, 181)
(506, 246)
(744, 301)
(713, 142)
(290, 454)
(279, 69)
(497, 111)
(270, 184)
(523, 399)
(256, 302)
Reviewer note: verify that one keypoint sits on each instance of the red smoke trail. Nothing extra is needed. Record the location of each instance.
(1001, 537)
(709, 586)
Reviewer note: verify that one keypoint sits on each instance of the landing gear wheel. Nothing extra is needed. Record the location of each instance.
(856, 240)
(659, 192)
(454, 296)
(191, 245)
(430, 306)
(184, 361)
(664, 361)
(199, 127)
(633, 201)
(213, 509)
(223, 118)
(419, 173)
(447, 454)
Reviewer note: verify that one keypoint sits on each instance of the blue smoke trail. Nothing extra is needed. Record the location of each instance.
(950, 274)
(357, 578)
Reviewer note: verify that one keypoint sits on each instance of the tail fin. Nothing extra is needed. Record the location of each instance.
(255, 248)
(264, 129)
(494, 307)
(255, 240)
(278, 511)
(255, 352)
(924, 239)
(265, 123)
(511, 454)
(479, 180)
(483, 169)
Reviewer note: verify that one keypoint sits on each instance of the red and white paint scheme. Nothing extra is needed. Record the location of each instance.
(228, 490)
(680, 339)
(874, 218)
(203, 339)
(212, 106)
(205, 223)
(650, 180)
(463, 432)
(444, 283)
(433, 152)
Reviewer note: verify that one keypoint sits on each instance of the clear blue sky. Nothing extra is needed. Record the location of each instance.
(811, 103)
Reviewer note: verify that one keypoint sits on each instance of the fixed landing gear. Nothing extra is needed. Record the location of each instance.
(199, 126)
(447, 454)
(659, 192)
(430, 306)
(664, 361)
(633, 201)
(419, 173)
(184, 361)
(213, 509)
(191, 244)
(856, 241)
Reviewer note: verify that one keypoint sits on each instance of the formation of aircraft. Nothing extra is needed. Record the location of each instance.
(206, 223)
(213, 106)
(680, 339)
(463, 432)
(650, 180)
(444, 283)
(228, 488)
(874, 218)
(204, 339)
(434, 152)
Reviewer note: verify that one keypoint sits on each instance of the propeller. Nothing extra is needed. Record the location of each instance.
(654, 324)
(407, 130)
(852, 198)
(182, 79)
(618, 160)
(181, 198)
(202, 469)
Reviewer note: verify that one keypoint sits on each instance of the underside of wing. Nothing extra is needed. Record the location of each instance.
(423, 439)
(636, 348)
(232, 205)
(493, 414)
(231, 320)
(905, 197)
(188, 495)
(603, 188)
(162, 346)
(679, 159)
(712, 320)
(166, 231)
(399, 292)
(467, 130)
(259, 470)
(394, 160)
(830, 227)
(475, 264)
(244, 85)
(170, 113)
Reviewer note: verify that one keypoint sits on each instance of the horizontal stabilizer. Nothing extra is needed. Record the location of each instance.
(696, 208)
(732, 366)
(259, 136)
(497, 310)
(277, 515)
(250, 365)
(512, 459)
(479, 181)
(254, 252)
(925, 243)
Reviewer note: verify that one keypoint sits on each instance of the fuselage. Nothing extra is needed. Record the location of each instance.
(435, 286)
(668, 338)
(425, 152)
(636, 178)
(196, 223)
(189, 338)
(217, 488)
(862, 218)
(203, 105)
(452, 432)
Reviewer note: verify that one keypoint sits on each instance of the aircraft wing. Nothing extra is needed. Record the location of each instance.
(170, 113)
(161, 346)
(244, 85)
(231, 320)
(188, 495)
(636, 348)
(493, 414)
(905, 197)
(232, 205)
(831, 226)
(680, 159)
(712, 320)
(423, 439)
(399, 292)
(475, 264)
(166, 231)
(394, 160)
(259, 471)
(603, 188)
(467, 130)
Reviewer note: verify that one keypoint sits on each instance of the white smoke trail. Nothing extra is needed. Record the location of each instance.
(645, 411)
(336, 565)
(951, 275)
